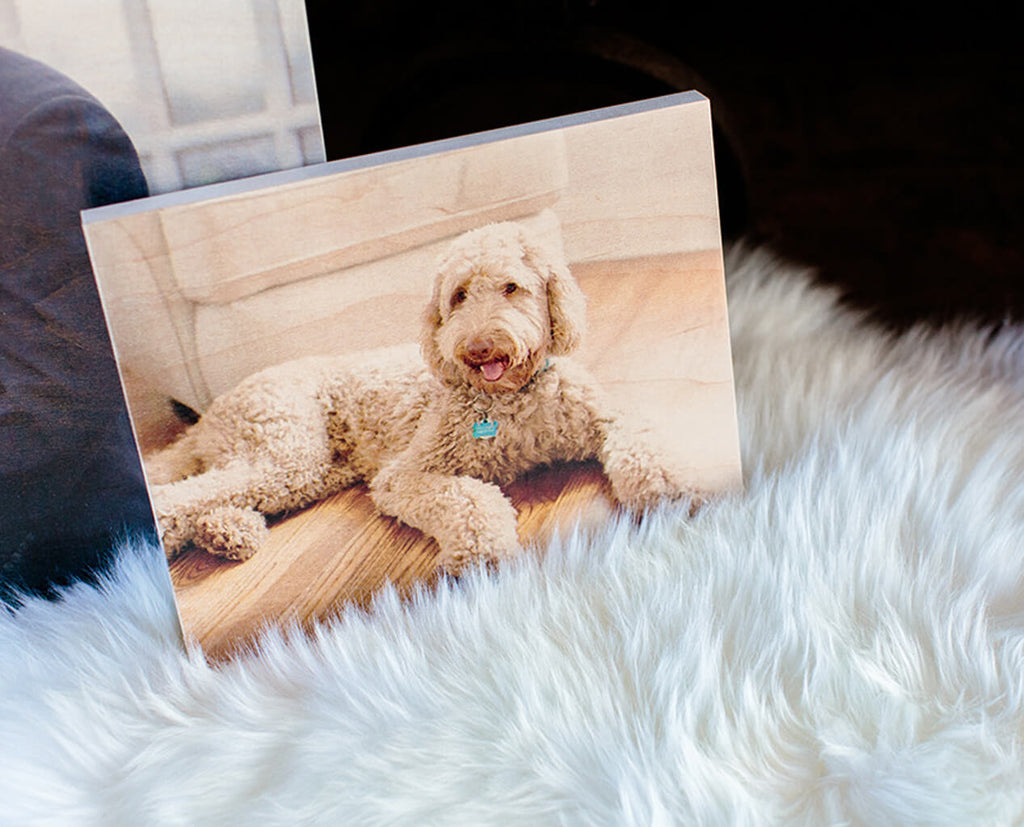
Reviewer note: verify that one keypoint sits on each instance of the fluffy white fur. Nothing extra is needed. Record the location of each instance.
(841, 644)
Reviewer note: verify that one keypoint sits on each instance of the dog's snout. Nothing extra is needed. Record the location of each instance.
(479, 350)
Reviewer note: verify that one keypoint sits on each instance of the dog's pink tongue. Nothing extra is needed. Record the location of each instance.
(492, 371)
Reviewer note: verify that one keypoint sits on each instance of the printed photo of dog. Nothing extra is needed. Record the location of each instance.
(495, 397)
(423, 363)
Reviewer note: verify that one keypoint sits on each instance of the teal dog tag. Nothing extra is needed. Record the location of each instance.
(485, 429)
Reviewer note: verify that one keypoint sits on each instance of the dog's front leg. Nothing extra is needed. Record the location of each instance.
(470, 519)
(639, 477)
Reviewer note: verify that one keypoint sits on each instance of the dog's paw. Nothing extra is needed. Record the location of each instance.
(640, 482)
(230, 532)
(490, 546)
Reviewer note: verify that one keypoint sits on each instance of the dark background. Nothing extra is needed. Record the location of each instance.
(882, 151)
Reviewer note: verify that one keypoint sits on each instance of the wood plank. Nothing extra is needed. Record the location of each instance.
(341, 552)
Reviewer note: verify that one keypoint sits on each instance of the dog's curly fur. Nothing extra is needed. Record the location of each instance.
(503, 312)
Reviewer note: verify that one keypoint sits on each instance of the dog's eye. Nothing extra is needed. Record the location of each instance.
(510, 288)
(458, 297)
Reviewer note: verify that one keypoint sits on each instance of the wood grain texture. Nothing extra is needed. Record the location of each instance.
(340, 552)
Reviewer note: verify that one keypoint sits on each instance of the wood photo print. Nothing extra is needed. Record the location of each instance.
(423, 360)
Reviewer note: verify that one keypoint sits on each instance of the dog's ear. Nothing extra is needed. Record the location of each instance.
(567, 306)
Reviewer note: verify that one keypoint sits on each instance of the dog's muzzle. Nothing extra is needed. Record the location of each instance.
(484, 354)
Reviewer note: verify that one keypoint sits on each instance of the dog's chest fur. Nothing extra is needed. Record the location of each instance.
(496, 438)
(373, 418)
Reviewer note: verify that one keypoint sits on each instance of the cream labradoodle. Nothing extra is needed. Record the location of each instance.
(433, 442)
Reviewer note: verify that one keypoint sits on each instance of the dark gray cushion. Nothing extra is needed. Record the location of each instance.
(70, 478)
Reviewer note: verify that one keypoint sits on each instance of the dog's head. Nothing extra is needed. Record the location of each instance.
(501, 305)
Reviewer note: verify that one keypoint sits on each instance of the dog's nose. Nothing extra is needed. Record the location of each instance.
(479, 350)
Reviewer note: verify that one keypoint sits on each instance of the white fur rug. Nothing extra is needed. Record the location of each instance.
(842, 644)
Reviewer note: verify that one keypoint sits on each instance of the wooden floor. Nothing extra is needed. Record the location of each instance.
(340, 552)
